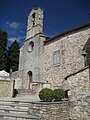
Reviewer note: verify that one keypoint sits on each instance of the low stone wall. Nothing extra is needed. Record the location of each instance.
(6, 88)
(17, 77)
(78, 85)
(37, 86)
(4, 77)
(50, 110)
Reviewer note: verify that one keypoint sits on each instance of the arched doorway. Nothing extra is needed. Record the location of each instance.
(30, 79)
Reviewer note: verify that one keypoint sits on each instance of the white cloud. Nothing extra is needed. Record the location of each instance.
(16, 38)
(13, 25)
(16, 31)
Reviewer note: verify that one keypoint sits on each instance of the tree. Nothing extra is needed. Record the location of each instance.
(13, 56)
(3, 50)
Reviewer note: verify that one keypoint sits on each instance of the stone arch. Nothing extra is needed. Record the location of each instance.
(33, 19)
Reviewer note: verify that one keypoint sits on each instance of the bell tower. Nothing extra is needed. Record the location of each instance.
(35, 23)
(32, 52)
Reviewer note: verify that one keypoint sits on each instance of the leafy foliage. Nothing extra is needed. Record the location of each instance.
(46, 95)
(59, 94)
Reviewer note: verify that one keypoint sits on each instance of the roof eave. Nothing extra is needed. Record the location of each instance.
(67, 32)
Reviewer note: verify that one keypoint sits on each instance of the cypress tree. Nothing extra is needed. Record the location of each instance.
(3, 50)
(13, 56)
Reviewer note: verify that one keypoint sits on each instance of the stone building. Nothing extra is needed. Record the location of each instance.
(65, 54)
(44, 59)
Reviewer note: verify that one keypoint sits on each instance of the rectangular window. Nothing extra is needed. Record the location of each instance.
(56, 58)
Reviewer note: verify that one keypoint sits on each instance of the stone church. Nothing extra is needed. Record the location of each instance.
(61, 61)
(49, 60)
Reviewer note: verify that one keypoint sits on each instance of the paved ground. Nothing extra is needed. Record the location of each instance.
(24, 98)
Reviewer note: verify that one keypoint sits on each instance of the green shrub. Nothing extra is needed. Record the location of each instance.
(46, 95)
(59, 94)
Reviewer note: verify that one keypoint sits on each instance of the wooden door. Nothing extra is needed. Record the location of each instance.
(29, 78)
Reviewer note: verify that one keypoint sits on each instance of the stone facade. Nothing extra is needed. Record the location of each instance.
(31, 61)
(71, 59)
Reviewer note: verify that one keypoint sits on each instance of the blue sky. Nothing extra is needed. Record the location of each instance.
(59, 16)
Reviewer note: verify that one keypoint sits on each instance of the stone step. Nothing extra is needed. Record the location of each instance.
(24, 95)
(4, 119)
(25, 92)
(29, 91)
(14, 100)
(15, 119)
(24, 99)
(13, 105)
(17, 116)
(14, 110)
(10, 118)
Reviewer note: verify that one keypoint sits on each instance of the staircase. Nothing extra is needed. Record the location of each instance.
(25, 92)
(14, 109)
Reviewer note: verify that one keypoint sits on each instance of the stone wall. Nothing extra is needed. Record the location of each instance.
(37, 86)
(78, 85)
(4, 77)
(50, 110)
(17, 76)
(71, 59)
(6, 88)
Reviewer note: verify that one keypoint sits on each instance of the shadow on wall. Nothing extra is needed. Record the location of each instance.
(86, 52)
(15, 92)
